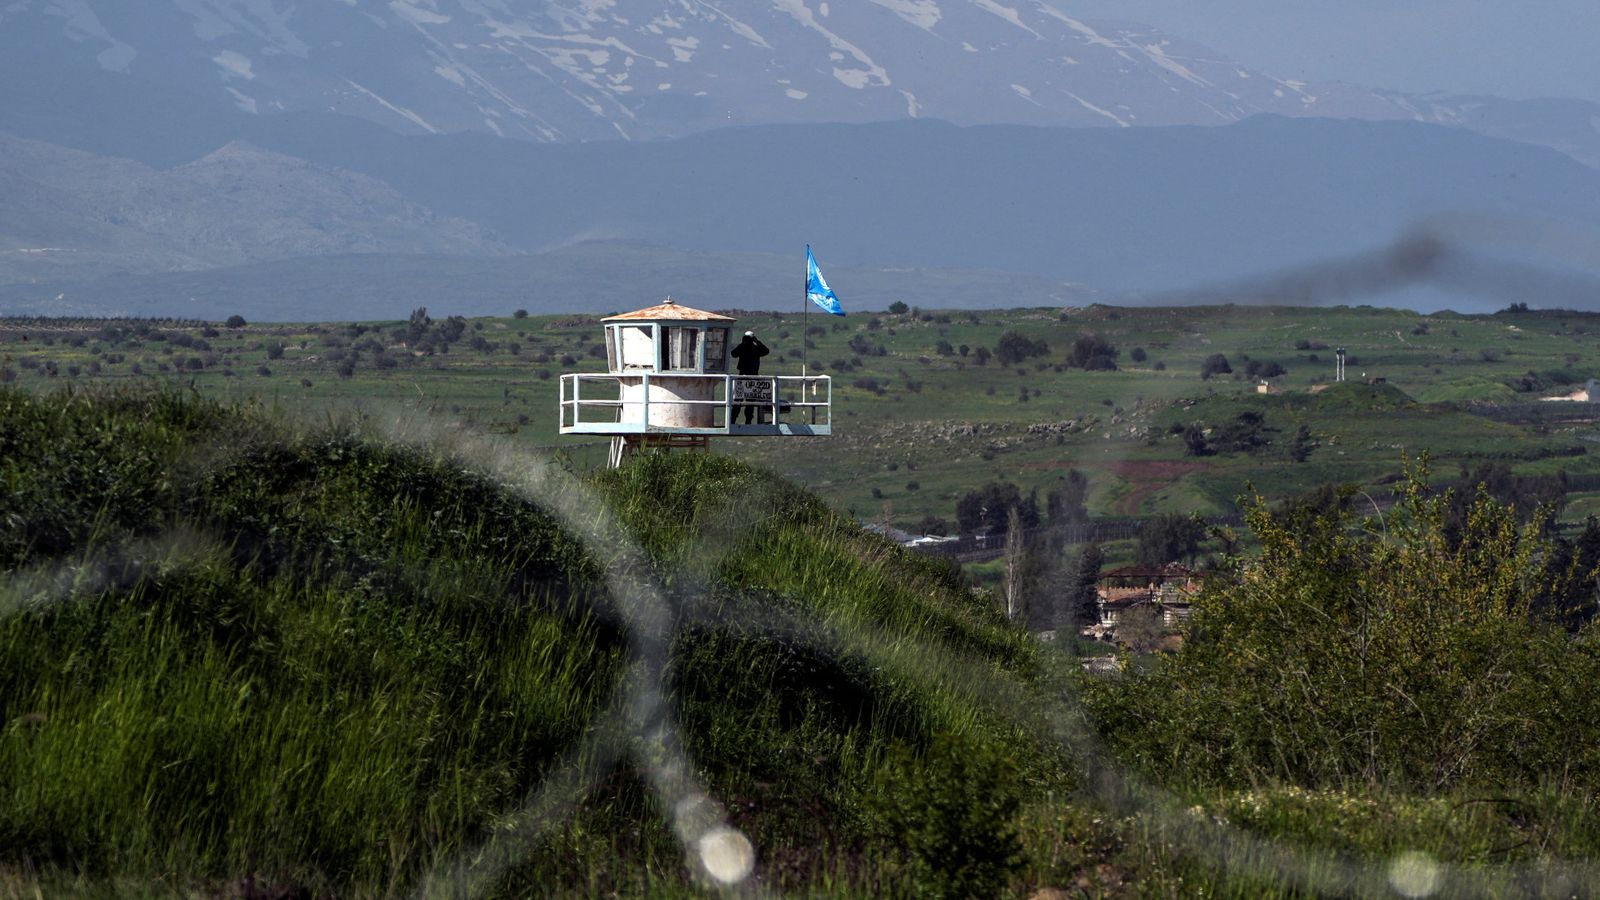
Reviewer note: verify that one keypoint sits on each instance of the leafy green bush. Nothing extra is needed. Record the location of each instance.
(950, 815)
(1407, 657)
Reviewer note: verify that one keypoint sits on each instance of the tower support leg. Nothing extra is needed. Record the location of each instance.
(624, 446)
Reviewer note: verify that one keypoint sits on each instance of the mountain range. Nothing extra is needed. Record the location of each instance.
(233, 137)
(583, 70)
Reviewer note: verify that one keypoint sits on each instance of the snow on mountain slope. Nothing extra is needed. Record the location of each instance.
(567, 70)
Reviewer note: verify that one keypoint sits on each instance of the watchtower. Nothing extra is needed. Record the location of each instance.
(667, 385)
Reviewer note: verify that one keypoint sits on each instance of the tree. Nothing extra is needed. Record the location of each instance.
(934, 525)
(989, 509)
(1092, 353)
(1170, 537)
(1013, 587)
(235, 321)
(1065, 504)
(1215, 364)
(417, 324)
(1138, 355)
(898, 308)
(1247, 433)
(1525, 495)
(452, 329)
(1140, 628)
(520, 314)
(1015, 347)
(1263, 368)
(1080, 603)
(1302, 445)
(1194, 440)
(1570, 581)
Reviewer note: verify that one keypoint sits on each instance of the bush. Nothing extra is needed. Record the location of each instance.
(1215, 364)
(1399, 657)
(1138, 355)
(1093, 353)
(235, 321)
(950, 815)
(899, 308)
(1170, 537)
(1014, 347)
(520, 314)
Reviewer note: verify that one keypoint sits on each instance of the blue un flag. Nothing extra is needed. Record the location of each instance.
(817, 290)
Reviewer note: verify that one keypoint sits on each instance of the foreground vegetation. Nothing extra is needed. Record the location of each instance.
(343, 662)
(244, 654)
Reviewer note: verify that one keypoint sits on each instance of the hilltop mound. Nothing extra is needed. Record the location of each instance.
(1354, 396)
(346, 663)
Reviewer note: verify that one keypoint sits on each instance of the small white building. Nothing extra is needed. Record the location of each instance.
(667, 384)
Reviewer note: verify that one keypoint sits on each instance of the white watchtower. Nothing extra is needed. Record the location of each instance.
(667, 385)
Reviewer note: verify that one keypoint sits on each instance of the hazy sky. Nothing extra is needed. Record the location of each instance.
(1532, 48)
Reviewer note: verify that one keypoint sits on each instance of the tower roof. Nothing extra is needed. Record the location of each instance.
(668, 311)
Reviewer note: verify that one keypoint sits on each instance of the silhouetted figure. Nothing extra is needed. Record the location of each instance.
(748, 357)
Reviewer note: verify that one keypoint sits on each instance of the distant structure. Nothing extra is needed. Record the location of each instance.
(1338, 364)
(1589, 393)
(667, 385)
(1168, 589)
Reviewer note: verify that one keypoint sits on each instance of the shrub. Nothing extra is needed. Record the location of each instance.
(1092, 352)
(1014, 347)
(1138, 355)
(1400, 657)
(950, 814)
(235, 321)
(1215, 364)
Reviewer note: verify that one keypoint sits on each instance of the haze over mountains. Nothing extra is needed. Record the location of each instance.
(254, 132)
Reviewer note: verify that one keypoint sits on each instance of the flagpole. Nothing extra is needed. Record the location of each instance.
(805, 319)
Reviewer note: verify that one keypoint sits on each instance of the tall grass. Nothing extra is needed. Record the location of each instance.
(234, 646)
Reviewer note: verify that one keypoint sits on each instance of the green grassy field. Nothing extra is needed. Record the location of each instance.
(919, 424)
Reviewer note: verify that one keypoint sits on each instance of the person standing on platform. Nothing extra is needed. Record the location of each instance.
(748, 354)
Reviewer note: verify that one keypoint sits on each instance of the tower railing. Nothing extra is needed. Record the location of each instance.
(622, 403)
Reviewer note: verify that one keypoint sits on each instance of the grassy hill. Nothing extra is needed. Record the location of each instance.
(352, 662)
